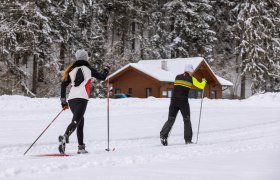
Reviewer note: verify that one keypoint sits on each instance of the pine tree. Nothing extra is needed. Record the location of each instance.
(223, 52)
(184, 30)
(40, 37)
(16, 33)
(257, 41)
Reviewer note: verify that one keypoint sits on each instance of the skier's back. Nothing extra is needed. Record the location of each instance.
(79, 75)
(179, 101)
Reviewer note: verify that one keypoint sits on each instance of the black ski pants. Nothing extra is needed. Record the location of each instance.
(175, 106)
(78, 107)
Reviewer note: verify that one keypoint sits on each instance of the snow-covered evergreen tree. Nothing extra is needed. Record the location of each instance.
(17, 41)
(184, 29)
(256, 32)
(39, 38)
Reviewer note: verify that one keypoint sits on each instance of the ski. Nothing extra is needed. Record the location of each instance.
(54, 155)
(60, 155)
(110, 149)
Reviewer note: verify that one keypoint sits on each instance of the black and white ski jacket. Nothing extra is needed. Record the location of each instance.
(80, 77)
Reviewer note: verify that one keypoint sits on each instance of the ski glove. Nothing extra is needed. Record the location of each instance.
(203, 79)
(107, 67)
(64, 104)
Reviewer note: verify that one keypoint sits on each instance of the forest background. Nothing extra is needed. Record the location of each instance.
(240, 39)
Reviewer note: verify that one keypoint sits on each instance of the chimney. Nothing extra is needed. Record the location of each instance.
(164, 65)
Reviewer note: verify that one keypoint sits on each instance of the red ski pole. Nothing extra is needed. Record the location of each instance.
(44, 131)
(108, 115)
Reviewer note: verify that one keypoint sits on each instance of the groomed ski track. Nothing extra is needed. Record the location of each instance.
(238, 140)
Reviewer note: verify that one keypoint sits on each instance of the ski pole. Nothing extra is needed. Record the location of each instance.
(43, 131)
(199, 116)
(108, 117)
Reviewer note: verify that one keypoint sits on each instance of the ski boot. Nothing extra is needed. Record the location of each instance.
(62, 141)
(163, 141)
(82, 149)
(188, 142)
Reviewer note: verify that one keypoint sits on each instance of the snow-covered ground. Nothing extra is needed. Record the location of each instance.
(239, 140)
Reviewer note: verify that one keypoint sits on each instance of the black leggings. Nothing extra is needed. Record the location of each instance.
(78, 107)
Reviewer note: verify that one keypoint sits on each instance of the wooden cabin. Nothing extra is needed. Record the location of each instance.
(155, 78)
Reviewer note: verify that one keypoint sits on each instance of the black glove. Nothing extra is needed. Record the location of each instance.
(107, 67)
(64, 104)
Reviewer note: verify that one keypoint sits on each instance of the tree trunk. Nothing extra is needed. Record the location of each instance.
(142, 34)
(133, 36)
(243, 86)
(16, 60)
(243, 75)
(142, 42)
(25, 59)
(62, 56)
(113, 32)
(123, 39)
(35, 71)
(41, 76)
(243, 78)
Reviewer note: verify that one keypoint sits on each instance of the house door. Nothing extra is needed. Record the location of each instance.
(213, 95)
(148, 92)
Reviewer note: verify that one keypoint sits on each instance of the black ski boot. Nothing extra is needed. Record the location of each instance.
(163, 141)
(62, 141)
(188, 142)
(82, 149)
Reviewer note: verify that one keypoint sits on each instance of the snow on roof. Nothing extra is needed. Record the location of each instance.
(174, 67)
(223, 81)
(156, 72)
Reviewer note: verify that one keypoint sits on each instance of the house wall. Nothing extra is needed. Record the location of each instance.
(209, 89)
(212, 88)
(138, 82)
(164, 87)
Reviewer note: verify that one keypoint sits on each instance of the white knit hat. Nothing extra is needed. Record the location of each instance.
(81, 54)
(188, 68)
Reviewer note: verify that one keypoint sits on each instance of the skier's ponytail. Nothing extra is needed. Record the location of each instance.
(66, 72)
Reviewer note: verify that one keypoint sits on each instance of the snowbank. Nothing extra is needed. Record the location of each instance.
(265, 98)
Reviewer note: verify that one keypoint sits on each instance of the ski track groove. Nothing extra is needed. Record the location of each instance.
(225, 141)
(228, 131)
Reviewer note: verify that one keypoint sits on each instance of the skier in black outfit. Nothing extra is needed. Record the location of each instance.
(179, 101)
(80, 75)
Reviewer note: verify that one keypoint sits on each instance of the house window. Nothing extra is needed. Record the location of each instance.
(130, 91)
(169, 92)
(213, 94)
(148, 92)
(117, 90)
(194, 93)
(199, 94)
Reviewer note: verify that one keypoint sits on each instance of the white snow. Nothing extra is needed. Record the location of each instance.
(223, 81)
(41, 16)
(239, 140)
